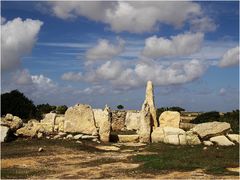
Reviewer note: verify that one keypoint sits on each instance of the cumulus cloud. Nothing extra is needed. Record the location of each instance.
(182, 44)
(122, 77)
(204, 24)
(18, 39)
(230, 58)
(71, 76)
(104, 50)
(135, 17)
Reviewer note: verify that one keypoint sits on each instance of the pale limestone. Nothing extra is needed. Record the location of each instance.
(145, 124)
(80, 119)
(207, 143)
(210, 129)
(128, 138)
(221, 141)
(4, 133)
(234, 137)
(103, 122)
(192, 139)
(132, 121)
(169, 119)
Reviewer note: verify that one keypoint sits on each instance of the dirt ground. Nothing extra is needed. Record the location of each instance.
(106, 161)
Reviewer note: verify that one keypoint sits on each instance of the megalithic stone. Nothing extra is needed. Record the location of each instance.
(145, 124)
(149, 99)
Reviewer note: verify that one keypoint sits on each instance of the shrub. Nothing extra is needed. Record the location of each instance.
(17, 104)
(233, 119)
(61, 109)
(120, 106)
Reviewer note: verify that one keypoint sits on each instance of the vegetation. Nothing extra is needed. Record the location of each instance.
(183, 158)
(120, 106)
(231, 117)
(17, 104)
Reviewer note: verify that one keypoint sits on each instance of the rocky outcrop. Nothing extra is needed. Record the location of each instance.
(145, 124)
(221, 141)
(234, 137)
(169, 119)
(192, 139)
(80, 119)
(210, 129)
(4, 133)
(59, 123)
(30, 129)
(169, 135)
(132, 121)
(103, 122)
(149, 99)
(118, 120)
(13, 122)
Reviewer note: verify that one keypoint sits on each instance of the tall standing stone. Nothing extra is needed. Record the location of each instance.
(149, 99)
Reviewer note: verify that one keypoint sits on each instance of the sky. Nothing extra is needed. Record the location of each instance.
(103, 52)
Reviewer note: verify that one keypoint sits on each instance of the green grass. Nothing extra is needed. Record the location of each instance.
(182, 158)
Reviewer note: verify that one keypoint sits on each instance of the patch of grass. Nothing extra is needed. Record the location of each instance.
(21, 173)
(169, 157)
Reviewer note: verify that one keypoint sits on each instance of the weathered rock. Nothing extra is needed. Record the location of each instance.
(118, 120)
(145, 124)
(57, 136)
(128, 138)
(88, 137)
(210, 129)
(4, 133)
(46, 128)
(192, 139)
(103, 119)
(49, 121)
(13, 122)
(30, 129)
(70, 136)
(78, 136)
(157, 135)
(169, 119)
(221, 141)
(174, 136)
(62, 134)
(59, 121)
(169, 135)
(234, 137)
(9, 116)
(39, 135)
(207, 143)
(80, 119)
(132, 121)
(149, 99)
(40, 149)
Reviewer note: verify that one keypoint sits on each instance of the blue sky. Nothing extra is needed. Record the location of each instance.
(104, 52)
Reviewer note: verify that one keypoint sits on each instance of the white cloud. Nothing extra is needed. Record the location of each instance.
(3, 20)
(122, 77)
(230, 58)
(136, 17)
(182, 44)
(22, 77)
(204, 24)
(104, 50)
(18, 39)
(71, 76)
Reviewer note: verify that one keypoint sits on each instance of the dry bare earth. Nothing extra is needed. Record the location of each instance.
(68, 159)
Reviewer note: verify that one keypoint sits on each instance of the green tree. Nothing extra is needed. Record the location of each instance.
(207, 117)
(17, 104)
(61, 109)
(233, 119)
(120, 106)
(45, 108)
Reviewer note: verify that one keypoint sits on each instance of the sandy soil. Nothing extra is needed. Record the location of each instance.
(66, 163)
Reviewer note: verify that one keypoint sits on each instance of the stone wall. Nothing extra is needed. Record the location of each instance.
(118, 120)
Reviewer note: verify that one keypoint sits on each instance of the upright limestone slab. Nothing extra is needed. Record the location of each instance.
(169, 119)
(145, 124)
(102, 119)
(149, 99)
(80, 119)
